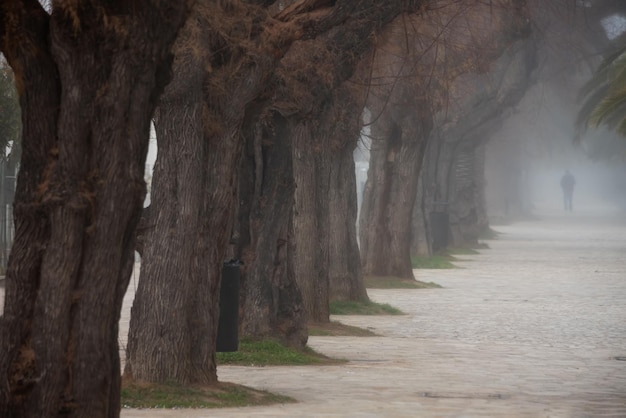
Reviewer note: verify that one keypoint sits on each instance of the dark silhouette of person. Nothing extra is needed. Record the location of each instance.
(567, 184)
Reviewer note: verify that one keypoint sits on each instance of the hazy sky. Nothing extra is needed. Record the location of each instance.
(614, 26)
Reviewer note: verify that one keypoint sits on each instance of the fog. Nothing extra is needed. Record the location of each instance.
(526, 159)
(531, 165)
(597, 188)
(536, 146)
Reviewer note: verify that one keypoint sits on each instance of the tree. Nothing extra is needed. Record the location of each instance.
(271, 300)
(327, 264)
(415, 73)
(88, 76)
(344, 121)
(302, 93)
(453, 176)
(226, 58)
(185, 230)
(605, 93)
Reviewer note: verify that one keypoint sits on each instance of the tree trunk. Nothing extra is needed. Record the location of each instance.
(311, 221)
(173, 319)
(341, 125)
(465, 192)
(173, 328)
(272, 305)
(337, 132)
(327, 256)
(40, 89)
(436, 195)
(420, 235)
(79, 197)
(345, 274)
(390, 191)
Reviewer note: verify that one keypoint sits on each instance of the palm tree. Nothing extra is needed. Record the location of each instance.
(605, 94)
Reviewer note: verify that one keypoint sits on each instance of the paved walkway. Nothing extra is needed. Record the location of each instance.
(533, 327)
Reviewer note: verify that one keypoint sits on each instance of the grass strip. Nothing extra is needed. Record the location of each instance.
(271, 353)
(462, 251)
(337, 329)
(362, 308)
(388, 282)
(433, 262)
(219, 395)
(488, 233)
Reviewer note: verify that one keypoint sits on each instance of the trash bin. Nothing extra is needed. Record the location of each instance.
(228, 326)
(439, 225)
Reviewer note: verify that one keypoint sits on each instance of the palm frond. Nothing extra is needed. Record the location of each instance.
(594, 97)
(621, 127)
(611, 105)
(604, 95)
(599, 80)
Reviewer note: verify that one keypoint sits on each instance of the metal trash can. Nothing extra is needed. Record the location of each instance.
(439, 225)
(228, 326)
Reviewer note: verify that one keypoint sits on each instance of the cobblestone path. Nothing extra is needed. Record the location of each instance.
(535, 326)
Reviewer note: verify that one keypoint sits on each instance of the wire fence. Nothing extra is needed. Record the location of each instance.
(8, 174)
(7, 233)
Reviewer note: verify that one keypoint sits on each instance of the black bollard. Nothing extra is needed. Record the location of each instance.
(439, 225)
(228, 327)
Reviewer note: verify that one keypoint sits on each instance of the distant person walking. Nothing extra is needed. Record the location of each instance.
(567, 184)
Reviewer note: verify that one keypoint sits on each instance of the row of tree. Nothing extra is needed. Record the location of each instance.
(257, 107)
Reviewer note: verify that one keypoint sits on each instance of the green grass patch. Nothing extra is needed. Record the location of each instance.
(362, 308)
(219, 395)
(488, 233)
(433, 262)
(388, 282)
(462, 251)
(337, 329)
(271, 353)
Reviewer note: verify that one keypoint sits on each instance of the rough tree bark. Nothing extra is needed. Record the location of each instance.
(271, 299)
(345, 273)
(327, 254)
(467, 210)
(343, 119)
(311, 221)
(390, 191)
(38, 84)
(173, 327)
(173, 296)
(88, 76)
